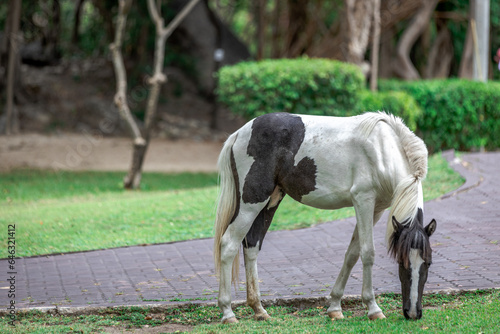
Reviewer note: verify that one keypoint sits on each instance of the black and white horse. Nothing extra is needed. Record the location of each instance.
(372, 162)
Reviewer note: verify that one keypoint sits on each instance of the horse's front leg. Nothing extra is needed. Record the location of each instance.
(230, 244)
(351, 257)
(364, 204)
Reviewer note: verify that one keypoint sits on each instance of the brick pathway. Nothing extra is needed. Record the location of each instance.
(300, 263)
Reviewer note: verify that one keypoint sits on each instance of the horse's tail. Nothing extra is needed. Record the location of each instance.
(227, 203)
(408, 195)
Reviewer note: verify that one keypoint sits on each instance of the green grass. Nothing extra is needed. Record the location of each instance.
(76, 211)
(33, 185)
(468, 312)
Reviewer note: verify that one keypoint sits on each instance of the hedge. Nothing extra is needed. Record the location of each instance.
(302, 86)
(306, 86)
(398, 103)
(459, 114)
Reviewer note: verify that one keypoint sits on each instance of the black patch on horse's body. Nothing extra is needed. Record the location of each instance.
(275, 140)
(236, 182)
(259, 227)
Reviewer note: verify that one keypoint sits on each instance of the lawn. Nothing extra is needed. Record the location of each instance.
(466, 312)
(76, 211)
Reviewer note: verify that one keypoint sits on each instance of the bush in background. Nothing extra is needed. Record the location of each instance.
(459, 114)
(397, 103)
(301, 86)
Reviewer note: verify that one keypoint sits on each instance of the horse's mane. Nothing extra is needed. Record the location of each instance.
(413, 146)
(408, 195)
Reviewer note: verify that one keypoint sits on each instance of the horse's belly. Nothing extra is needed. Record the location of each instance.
(327, 199)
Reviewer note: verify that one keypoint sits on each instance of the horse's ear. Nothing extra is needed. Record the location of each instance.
(431, 228)
(396, 225)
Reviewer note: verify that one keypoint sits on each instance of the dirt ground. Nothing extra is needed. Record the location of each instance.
(86, 151)
(167, 328)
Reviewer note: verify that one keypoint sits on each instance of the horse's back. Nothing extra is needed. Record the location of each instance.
(317, 160)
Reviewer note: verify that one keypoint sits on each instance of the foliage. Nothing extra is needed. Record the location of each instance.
(459, 114)
(77, 211)
(302, 86)
(466, 312)
(396, 102)
(92, 37)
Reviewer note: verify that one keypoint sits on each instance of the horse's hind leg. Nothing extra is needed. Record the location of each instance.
(251, 247)
(230, 244)
(252, 277)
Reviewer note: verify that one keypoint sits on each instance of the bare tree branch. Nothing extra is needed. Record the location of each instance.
(153, 11)
(120, 72)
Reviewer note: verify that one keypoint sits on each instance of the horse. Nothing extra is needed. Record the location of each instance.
(370, 161)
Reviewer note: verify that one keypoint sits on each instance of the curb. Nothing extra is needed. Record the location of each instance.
(463, 168)
(300, 303)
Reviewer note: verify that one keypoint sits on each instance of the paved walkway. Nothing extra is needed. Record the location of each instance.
(292, 264)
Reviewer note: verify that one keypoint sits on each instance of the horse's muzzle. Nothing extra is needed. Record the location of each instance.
(415, 316)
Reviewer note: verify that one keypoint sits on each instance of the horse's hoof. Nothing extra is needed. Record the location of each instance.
(376, 316)
(336, 315)
(261, 317)
(232, 320)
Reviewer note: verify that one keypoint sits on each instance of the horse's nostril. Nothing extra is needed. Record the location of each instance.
(405, 312)
(419, 314)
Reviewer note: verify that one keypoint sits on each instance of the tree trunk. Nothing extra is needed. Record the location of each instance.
(387, 51)
(358, 25)
(75, 36)
(276, 30)
(106, 14)
(260, 15)
(481, 30)
(218, 57)
(4, 46)
(440, 55)
(54, 29)
(141, 143)
(11, 124)
(404, 66)
(466, 63)
(375, 45)
(121, 85)
(297, 24)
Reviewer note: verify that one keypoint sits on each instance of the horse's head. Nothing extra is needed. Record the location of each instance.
(410, 246)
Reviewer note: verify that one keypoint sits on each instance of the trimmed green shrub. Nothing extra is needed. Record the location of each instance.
(302, 86)
(459, 114)
(397, 103)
